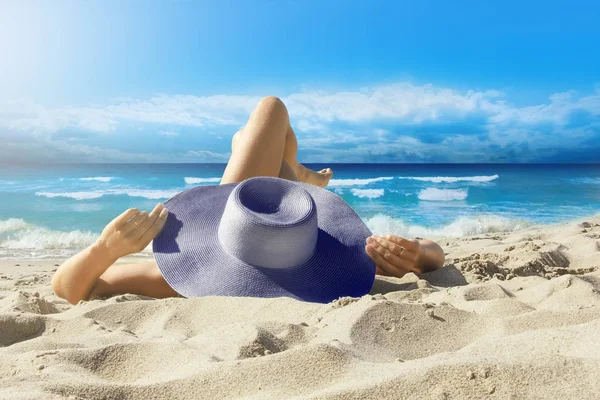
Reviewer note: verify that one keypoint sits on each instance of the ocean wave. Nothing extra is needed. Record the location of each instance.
(12, 224)
(190, 180)
(19, 238)
(74, 195)
(358, 182)
(367, 193)
(95, 194)
(451, 179)
(435, 194)
(98, 178)
(463, 226)
(16, 233)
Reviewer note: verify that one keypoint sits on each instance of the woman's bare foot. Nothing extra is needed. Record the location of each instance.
(302, 173)
(307, 175)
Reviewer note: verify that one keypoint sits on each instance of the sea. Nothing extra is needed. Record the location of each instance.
(56, 210)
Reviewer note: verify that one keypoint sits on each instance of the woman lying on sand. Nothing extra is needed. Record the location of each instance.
(265, 147)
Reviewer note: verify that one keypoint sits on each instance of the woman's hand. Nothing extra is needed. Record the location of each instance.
(129, 233)
(132, 231)
(397, 256)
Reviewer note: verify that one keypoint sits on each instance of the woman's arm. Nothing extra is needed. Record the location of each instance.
(129, 233)
(396, 256)
(143, 278)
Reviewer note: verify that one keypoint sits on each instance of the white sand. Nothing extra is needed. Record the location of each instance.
(512, 315)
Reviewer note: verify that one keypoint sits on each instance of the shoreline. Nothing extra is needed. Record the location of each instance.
(147, 254)
(490, 242)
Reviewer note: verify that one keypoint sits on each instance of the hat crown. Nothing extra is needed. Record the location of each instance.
(269, 222)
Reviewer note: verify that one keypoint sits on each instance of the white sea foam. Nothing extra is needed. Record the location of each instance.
(358, 182)
(20, 239)
(95, 194)
(98, 178)
(148, 193)
(12, 224)
(43, 239)
(435, 194)
(190, 180)
(451, 179)
(17, 234)
(74, 195)
(367, 193)
(463, 226)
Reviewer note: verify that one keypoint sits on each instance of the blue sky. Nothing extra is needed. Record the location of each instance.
(364, 81)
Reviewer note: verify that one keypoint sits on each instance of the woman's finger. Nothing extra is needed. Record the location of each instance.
(394, 261)
(385, 253)
(397, 250)
(403, 264)
(125, 216)
(386, 266)
(409, 244)
(134, 223)
(148, 222)
(155, 228)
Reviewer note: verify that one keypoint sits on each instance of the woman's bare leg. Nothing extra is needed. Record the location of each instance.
(263, 124)
(259, 151)
(290, 154)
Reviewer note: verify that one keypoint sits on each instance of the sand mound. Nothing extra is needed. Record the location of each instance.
(547, 252)
(21, 301)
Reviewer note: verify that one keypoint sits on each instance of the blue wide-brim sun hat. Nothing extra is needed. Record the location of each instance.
(264, 237)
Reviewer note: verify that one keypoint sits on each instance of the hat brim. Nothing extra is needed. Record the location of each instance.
(193, 262)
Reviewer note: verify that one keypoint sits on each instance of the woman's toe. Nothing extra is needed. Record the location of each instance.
(326, 175)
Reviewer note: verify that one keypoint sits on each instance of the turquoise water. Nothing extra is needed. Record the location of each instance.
(56, 210)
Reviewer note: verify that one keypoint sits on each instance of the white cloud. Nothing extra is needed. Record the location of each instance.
(173, 110)
(401, 101)
(318, 115)
(311, 111)
(305, 125)
(556, 111)
(49, 150)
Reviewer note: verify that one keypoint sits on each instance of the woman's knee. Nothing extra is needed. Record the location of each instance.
(272, 101)
(273, 105)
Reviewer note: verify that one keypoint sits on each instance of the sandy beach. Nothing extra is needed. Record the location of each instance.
(511, 316)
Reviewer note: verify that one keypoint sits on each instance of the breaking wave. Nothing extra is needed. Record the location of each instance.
(368, 193)
(358, 182)
(435, 194)
(19, 238)
(98, 178)
(451, 179)
(462, 226)
(190, 180)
